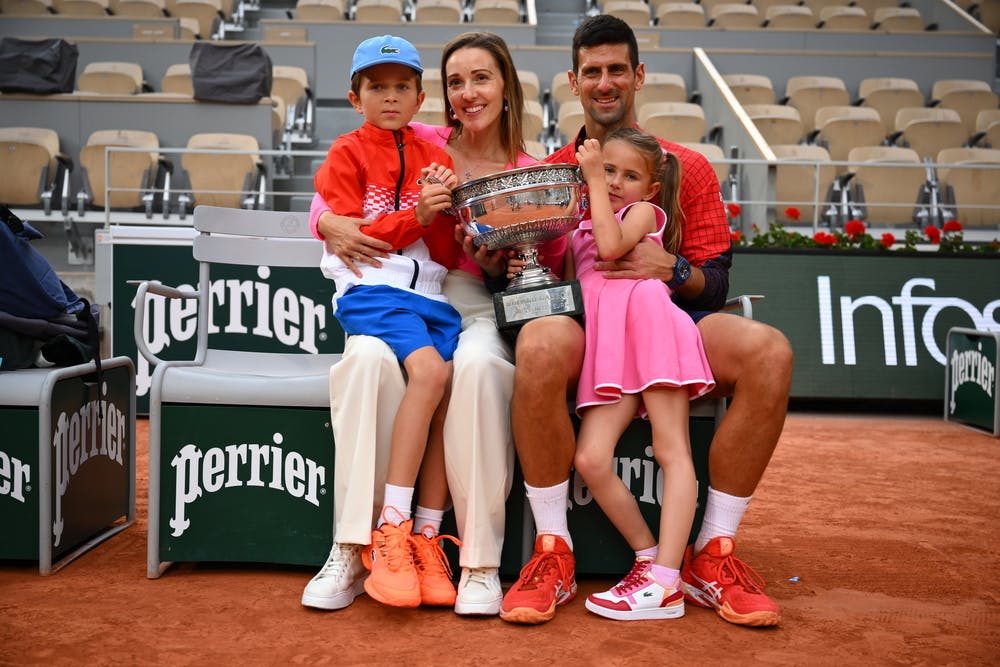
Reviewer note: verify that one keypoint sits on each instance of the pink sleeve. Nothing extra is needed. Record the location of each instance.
(318, 208)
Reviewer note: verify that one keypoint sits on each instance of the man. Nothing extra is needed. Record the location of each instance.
(751, 361)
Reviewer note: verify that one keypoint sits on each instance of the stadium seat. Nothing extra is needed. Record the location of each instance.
(987, 128)
(26, 7)
(750, 88)
(530, 86)
(291, 84)
(734, 16)
(675, 121)
(680, 15)
(438, 11)
(819, 5)
(32, 169)
(838, 17)
(533, 119)
(634, 12)
(378, 11)
(801, 186)
(841, 128)
(139, 8)
(561, 90)
(81, 7)
(970, 189)
(928, 130)
(763, 5)
(431, 111)
(569, 119)
(661, 87)
(889, 193)
(709, 5)
(208, 14)
(496, 11)
(320, 10)
(223, 178)
(714, 154)
(133, 176)
(789, 17)
(777, 123)
(966, 96)
(111, 78)
(177, 80)
(871, 5)
(897, 19)
(888, 95)
(190, 28)
(808, 93)
(535, 149)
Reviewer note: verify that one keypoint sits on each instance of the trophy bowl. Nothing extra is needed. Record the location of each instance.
(521, 208)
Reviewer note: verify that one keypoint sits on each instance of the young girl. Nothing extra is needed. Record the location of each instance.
(643, 356)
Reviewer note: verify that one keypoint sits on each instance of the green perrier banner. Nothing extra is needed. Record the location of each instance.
(971, 379)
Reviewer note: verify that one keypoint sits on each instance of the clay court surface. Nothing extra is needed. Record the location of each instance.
(878, 536)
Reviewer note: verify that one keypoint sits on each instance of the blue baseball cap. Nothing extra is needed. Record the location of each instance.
(385, 49)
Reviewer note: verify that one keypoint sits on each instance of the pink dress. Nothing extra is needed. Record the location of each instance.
(637, 337)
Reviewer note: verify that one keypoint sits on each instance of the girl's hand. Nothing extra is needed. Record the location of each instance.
(590, 159)
(440, 173)
(514, 267)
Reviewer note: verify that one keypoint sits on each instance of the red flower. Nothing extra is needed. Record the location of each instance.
(733, 210)
(793, 213)
(933, 233)
(736, 235)
(854, 228)
(952, 226)
(888, 240)
(824, 238)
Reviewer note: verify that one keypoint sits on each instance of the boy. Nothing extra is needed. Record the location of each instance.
(375, 172)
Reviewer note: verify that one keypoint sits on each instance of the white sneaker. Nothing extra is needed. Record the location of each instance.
(479, 592)
(340, 581)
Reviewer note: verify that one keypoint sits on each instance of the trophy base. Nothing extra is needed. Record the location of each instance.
(516, 307)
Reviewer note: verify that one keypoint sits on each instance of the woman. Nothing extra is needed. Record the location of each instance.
(482, 133)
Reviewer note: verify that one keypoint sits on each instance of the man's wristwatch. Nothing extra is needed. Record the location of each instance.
(682, 271)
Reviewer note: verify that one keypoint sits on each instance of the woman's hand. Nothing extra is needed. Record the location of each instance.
(492, 262)
(352, 247)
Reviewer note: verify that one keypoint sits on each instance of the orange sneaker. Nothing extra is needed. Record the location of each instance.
(433, 570)
(547, 581)
(717, 579)
(393, 579)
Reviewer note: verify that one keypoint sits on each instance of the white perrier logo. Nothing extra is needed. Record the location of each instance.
(238, 465)
(971, 367)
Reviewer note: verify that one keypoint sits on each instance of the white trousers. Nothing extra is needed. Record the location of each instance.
(366, 386)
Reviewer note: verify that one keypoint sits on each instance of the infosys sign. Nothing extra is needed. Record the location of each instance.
(870, 326)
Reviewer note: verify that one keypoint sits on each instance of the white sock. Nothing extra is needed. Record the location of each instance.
(427, 522)
(396, 505)
(548, 506)
(723, 514)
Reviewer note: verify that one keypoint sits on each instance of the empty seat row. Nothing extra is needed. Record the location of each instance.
(421, 11)
(889, 186)
(885, 94)
(198, 18)
(138, 179)
(786, 15)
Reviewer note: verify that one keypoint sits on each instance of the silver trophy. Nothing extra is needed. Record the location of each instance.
(522, 209)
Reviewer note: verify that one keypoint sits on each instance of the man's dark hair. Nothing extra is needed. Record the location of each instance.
(604, 29)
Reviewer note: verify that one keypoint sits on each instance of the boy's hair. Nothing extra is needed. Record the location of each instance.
(665, 168)
(604, 29)
(513, 95)
(356, 81)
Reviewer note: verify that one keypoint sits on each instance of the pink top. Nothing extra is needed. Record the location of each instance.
(438, 136)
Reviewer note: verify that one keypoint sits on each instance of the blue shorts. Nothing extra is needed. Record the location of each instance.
(404, 320)
(696, 315)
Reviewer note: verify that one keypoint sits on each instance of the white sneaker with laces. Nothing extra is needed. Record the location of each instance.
(479, 592)
(340, 581)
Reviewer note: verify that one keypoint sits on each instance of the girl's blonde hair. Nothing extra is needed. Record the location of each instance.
(665, 169)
